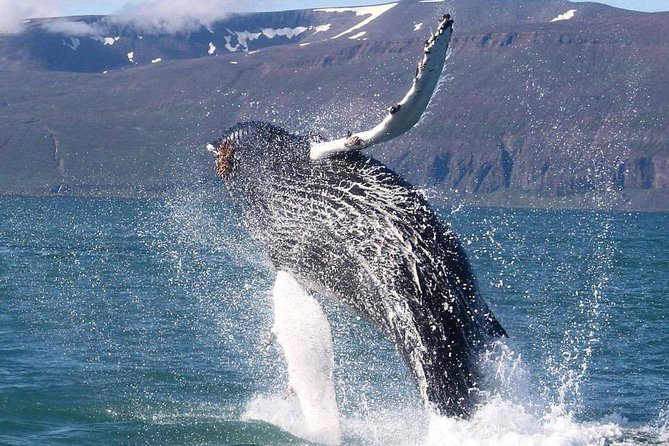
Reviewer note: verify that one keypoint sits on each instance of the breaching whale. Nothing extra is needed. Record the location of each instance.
(337, 222)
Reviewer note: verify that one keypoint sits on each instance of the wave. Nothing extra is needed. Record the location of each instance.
(509, 416)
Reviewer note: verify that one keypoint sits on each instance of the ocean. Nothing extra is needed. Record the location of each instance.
(130, 322)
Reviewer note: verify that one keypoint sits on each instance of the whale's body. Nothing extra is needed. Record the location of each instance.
(340, 223)
(349, 227)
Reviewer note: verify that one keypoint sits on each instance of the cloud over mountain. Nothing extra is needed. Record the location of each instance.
(149, 16)
(170, 16)
(14, 13)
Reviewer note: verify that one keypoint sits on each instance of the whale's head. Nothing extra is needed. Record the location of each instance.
(252, 156)
(254, 148)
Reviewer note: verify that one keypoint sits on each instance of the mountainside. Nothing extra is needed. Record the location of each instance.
(544, 103)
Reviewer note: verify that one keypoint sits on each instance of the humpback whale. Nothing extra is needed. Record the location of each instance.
(339, 223)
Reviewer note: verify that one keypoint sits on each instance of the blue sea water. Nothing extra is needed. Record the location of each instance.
(146, 322)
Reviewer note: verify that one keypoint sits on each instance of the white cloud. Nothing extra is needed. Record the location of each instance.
(170, 16)
(148, 16)
(13, 13)
(73, 28)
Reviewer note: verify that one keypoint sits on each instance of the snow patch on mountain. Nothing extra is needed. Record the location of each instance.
(106, 40)
(244, 37)
(566, 16)
(373, 11)
(286, 32)
(72, 43)
(321, 28)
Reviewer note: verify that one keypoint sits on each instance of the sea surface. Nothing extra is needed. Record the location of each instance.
(147, 323)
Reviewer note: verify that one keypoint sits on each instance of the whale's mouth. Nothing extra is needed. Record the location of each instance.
(224, 151)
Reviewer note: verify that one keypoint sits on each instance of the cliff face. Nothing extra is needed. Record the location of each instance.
(532, 111)
(555, 110)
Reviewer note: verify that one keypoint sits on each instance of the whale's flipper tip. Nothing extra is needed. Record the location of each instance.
(403, 115)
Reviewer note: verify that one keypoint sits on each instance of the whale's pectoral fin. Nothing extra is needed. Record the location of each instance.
(303, 331)
(404, 115)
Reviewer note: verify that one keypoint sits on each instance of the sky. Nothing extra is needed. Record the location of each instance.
(76, 7)
(170, 15)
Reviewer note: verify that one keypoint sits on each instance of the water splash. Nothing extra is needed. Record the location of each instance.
(501, 423)
(522, 405)
(508, 417)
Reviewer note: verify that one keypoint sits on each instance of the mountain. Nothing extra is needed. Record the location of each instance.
(544, 102)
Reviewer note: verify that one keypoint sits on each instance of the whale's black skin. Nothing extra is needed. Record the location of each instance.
(349, 227)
